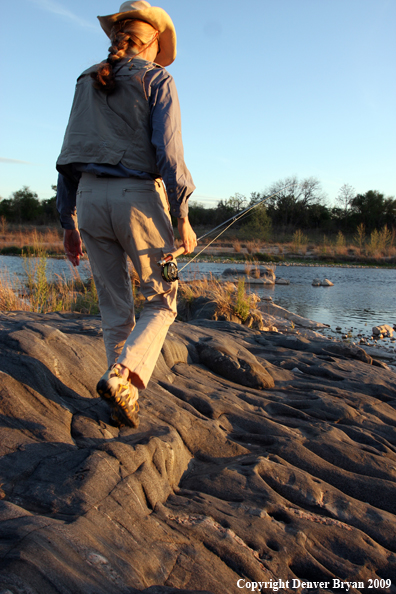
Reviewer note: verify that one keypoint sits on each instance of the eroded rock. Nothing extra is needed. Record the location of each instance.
(234, 363)
(222, 480)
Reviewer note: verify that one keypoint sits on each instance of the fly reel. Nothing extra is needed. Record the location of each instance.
(169, 271)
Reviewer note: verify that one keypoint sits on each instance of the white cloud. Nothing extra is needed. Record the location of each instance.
(4, 160)
(57, 8)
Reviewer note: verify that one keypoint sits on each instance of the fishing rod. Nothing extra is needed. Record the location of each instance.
(168, 264)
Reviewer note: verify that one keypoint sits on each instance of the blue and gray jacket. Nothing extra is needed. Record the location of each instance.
(133, 132)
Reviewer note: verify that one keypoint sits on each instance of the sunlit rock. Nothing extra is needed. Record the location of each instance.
(385, 330)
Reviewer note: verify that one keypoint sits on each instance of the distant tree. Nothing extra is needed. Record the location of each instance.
(48, 208)
(338, 216)
(290, 206)
(6, 209)
(345, 196)
(300, 205)
(257, 224)
(237, 202)
(223, 211)
(23, 205)
(310, 192)
(374, 211)
(318, 216)
(199, 215)
(226, 209)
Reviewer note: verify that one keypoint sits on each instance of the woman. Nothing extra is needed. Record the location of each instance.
(123, 138)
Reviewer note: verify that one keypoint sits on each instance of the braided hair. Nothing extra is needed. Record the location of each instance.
(127, 37)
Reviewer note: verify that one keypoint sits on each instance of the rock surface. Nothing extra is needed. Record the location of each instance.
(281, 317)
(385, 330)
(322, 283)
(259, 456)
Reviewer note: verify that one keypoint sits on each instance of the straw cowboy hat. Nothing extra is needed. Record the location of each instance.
(157, 17)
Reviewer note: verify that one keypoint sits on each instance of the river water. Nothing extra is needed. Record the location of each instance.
(56, 267)
(360, 298)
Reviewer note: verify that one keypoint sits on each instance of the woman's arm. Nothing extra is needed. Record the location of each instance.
(187, 234)
(73, 245)
(66, 191)
(66, 205)
(167, 140)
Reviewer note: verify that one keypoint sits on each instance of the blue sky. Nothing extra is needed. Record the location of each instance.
(268, 89)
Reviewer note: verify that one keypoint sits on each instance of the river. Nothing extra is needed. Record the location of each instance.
(360, 298)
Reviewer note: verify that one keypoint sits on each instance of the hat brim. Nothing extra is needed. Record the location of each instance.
(157, 18)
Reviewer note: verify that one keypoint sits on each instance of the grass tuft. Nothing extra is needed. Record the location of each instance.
(230, 300)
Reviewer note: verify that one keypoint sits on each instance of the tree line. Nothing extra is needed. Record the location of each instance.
(24, 206)
(291, 204)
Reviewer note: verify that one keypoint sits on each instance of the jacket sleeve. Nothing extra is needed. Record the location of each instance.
(167, 140)
(66, 191)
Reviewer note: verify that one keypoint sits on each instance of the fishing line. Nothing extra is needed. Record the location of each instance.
(168, 264)
(214, 239)
(233, 220)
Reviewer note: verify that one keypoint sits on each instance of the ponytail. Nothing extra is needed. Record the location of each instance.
(127, 37)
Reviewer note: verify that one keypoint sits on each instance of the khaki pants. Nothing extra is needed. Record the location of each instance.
(120, 217)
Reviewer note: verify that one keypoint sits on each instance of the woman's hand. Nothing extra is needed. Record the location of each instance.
(187, 235)
(73, 245)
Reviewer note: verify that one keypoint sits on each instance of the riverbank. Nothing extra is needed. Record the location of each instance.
(260, 456)
(360, 299)
(377, 250)
(227, 259)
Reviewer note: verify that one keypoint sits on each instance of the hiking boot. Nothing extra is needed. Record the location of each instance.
(121, 395)
(119, 418)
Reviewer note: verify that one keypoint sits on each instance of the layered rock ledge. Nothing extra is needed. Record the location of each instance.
(260, 456)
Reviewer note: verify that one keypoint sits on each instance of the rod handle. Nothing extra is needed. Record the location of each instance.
(178, 252)
(171, 256)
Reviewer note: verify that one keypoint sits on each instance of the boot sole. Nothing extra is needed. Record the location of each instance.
(120, 419)
(121, 408)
